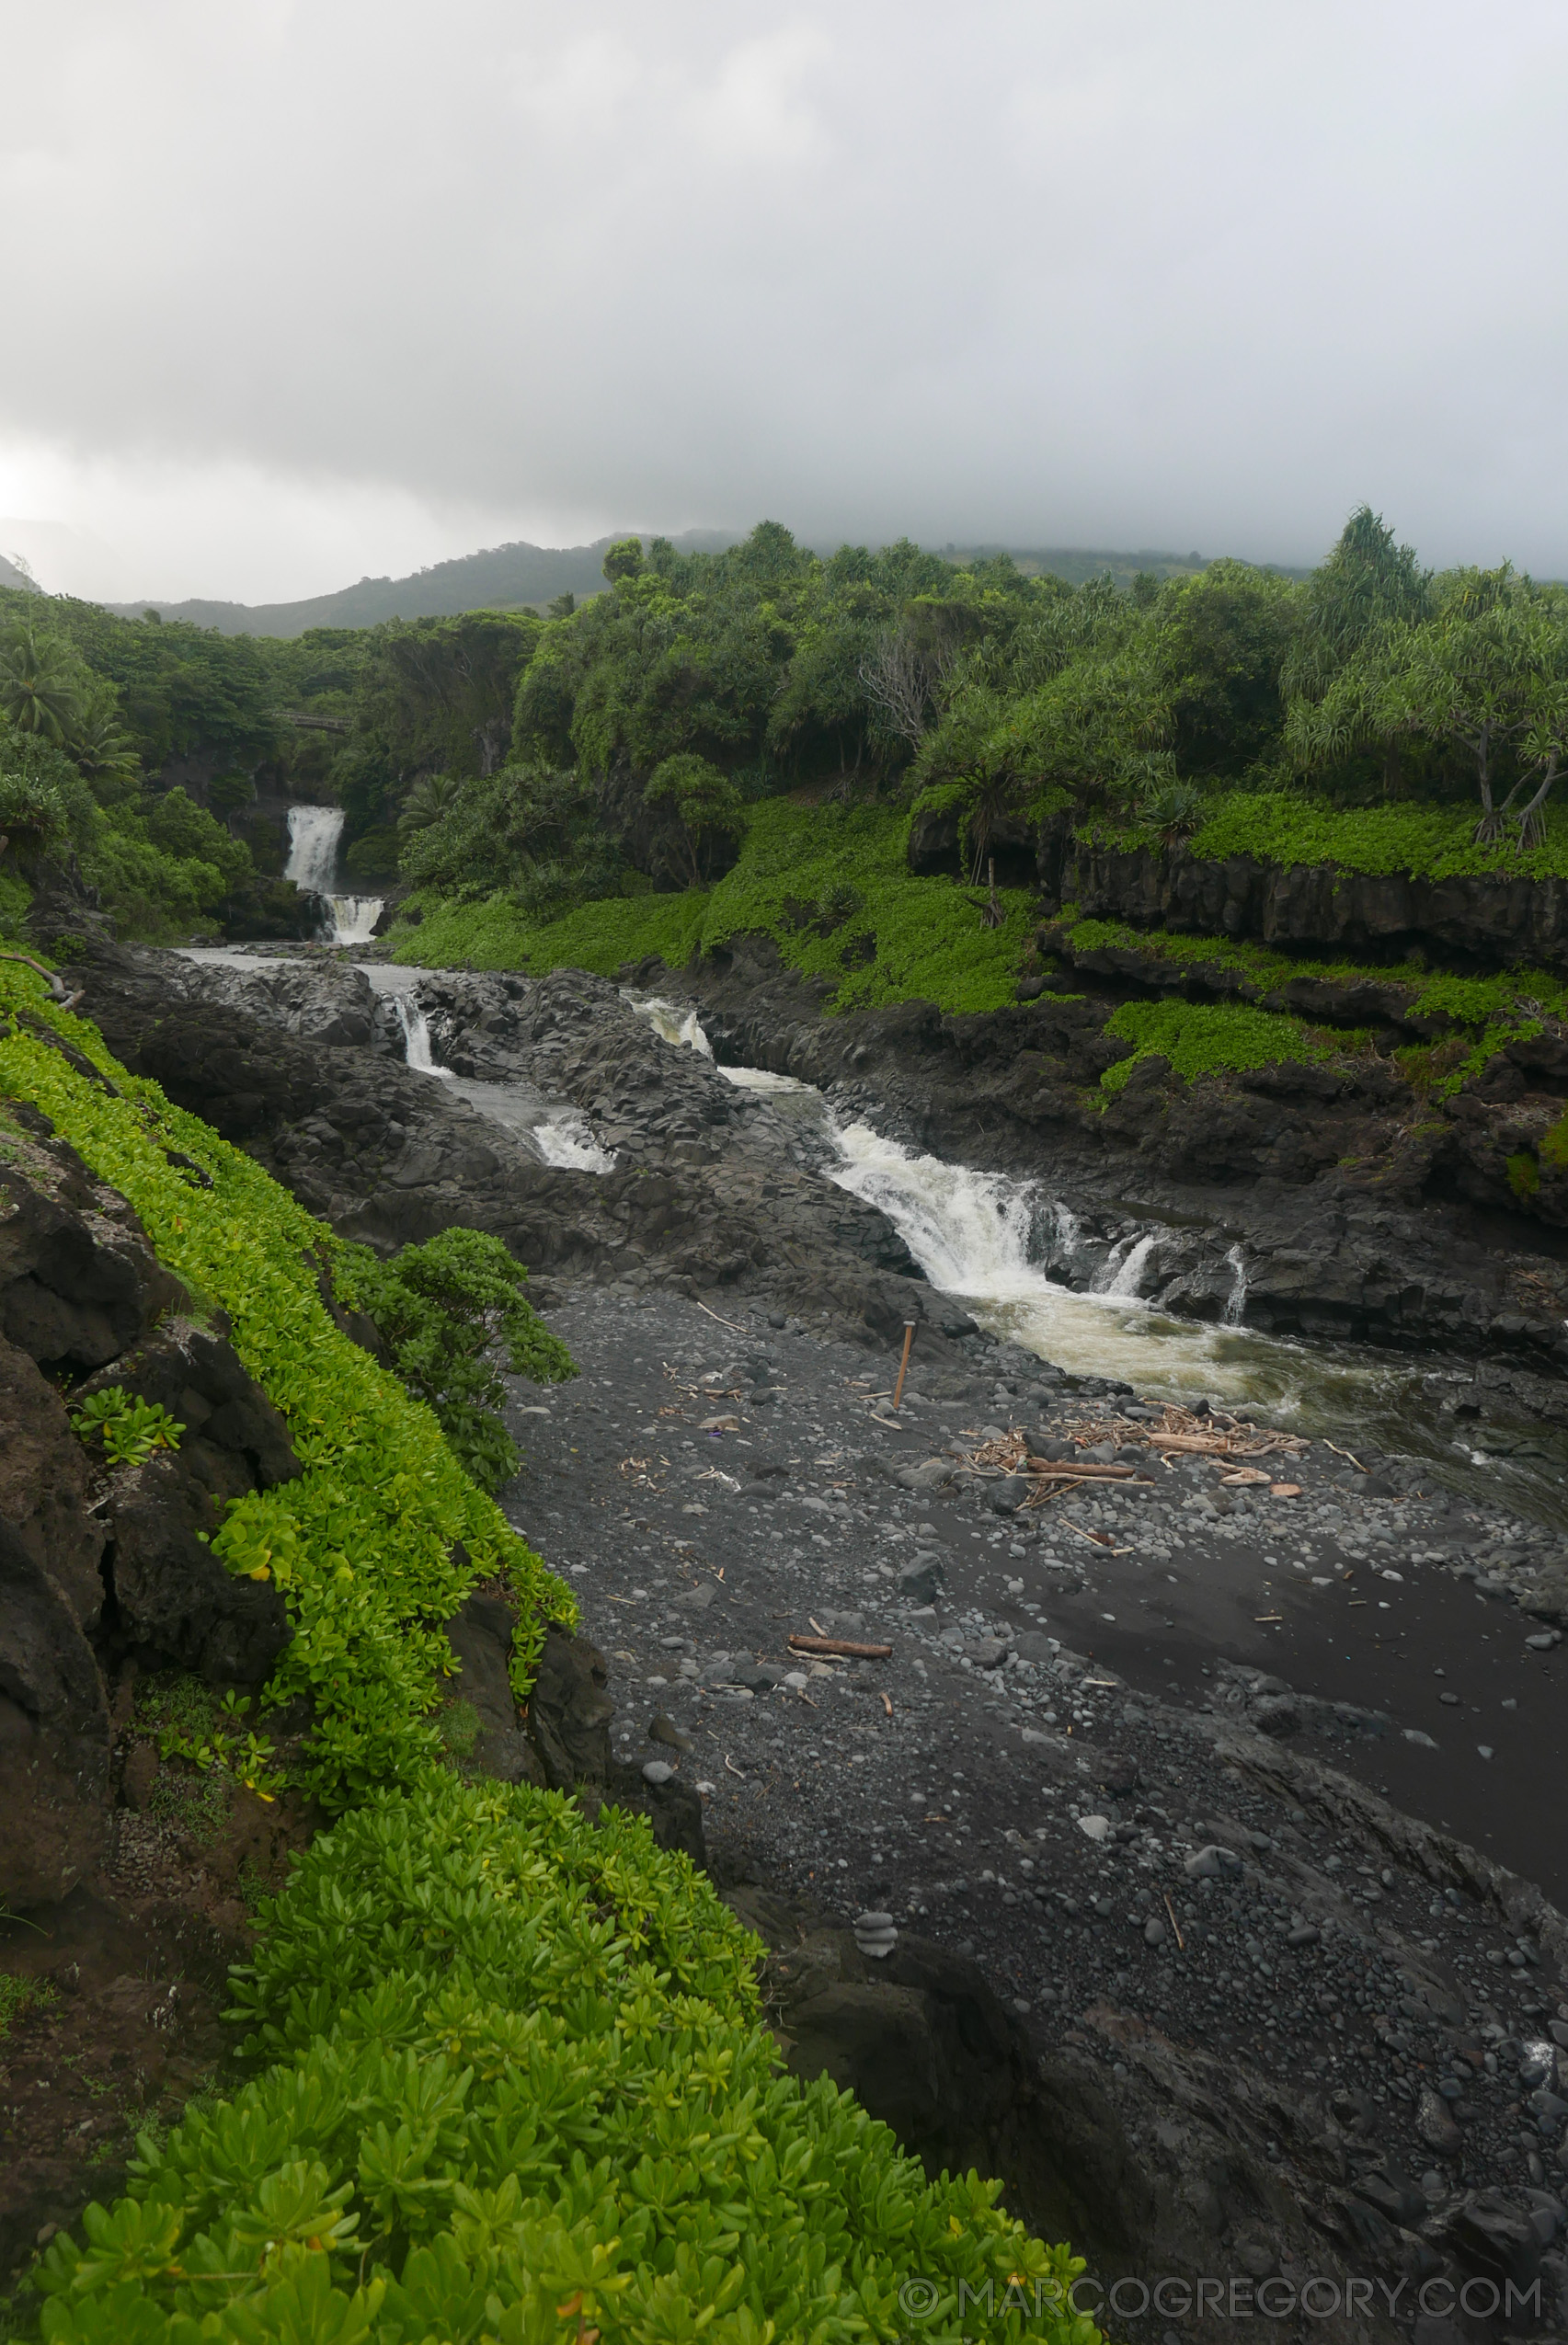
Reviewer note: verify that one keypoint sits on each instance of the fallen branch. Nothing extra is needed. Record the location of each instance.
(1061, 1469)
(840, 1645)
(723, 1323)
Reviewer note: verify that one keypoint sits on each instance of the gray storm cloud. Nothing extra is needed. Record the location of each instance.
(284, 282)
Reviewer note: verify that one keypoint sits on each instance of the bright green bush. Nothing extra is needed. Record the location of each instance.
(520, 2095)
(446, 1309)
(363, 1545)
(1208, 1038)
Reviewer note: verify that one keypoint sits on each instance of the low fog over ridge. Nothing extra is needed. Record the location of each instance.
(1066, 276)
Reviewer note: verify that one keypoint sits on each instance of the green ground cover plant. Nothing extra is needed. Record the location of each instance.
(516, 2092)
(829, 884)
(601, 936)
(1420, 842)
(1488, 1013)
(1209, 1038)
(365, 1545)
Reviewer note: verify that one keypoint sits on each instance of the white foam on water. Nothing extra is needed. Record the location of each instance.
(974, 1234)
(671, 1022)
(354, 918)
(1124, 1271)
(770, 1086)
(1236, 1302)
(568, 1142)
(416, 1038)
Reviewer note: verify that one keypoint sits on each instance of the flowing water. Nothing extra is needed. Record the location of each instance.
(416, 1038)
(314, 836)
(984, 1239)
(558, 1133)
(981, 1238)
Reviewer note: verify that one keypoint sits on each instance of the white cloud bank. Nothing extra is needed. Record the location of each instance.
(298, 292)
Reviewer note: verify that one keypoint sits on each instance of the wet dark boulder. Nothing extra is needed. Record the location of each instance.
(54, 1728)
(172, 1602)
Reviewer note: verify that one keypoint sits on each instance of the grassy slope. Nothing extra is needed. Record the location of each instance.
(831, 886)
(380, 1538)
(828, 883)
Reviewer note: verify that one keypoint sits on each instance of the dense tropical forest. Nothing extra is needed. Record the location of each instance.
(763, 737)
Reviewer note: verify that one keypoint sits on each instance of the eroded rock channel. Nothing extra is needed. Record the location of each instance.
(1218, 1832)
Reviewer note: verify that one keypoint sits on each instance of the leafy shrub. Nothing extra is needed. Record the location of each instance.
(32, 814)
(364, 1545)
(518, 2093)
(1206, 1039)
(131, 1428)
(446, 1309)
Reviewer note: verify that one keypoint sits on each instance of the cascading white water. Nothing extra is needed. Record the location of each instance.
(1127, 1275)
(671, 1022)
(969, 1231)
(417, 1038)
(974, 1236)
(1237, 1301)
(313, 834)
(568, 1142)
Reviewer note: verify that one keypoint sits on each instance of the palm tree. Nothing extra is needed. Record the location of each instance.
(430, 800)
(39, 691)
(99, 748)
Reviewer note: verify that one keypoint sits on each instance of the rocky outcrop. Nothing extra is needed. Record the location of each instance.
(561, 1741)
(1345, 1203)
(101, 1567)
(1494, 920)
(171, 1603)
(54, 1732)
(706, 1193)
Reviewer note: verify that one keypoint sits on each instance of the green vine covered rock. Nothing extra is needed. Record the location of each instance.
(376, 1544)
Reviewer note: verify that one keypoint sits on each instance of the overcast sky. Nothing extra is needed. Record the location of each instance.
(297, 290)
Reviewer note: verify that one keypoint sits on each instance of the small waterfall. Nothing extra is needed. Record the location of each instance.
(568, 1142)
(1237, 1302)
(1127, 1268)
(417, 1038)
(313, 835)
(969, 1231)
(354, 918)
(671, 1022)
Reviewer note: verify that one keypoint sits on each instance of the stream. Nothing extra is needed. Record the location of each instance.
(977, 1237)
(982, 1237)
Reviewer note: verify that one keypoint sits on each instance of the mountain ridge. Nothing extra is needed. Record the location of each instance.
(518, 574)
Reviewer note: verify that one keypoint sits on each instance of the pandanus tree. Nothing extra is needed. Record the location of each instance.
(705, 804)
(1484, 678)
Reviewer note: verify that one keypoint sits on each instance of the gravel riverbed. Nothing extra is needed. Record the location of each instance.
(1061, 1765)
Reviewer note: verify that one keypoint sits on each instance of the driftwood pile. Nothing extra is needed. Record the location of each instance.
(1229, 1442)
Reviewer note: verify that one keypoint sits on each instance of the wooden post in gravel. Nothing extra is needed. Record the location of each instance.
(904, 1363)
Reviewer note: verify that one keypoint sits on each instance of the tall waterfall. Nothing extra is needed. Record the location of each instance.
(313, 834)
